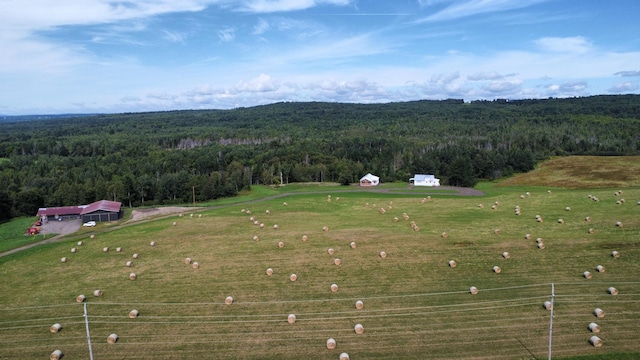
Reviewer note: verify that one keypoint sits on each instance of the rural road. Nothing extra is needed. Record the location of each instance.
(64, 228)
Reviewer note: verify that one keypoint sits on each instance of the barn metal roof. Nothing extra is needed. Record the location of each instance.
(102, 205)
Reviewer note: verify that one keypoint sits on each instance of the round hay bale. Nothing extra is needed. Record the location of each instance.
(331, 343)
(506, 255)
(267, 212)
(548, 305)
(334, 287)
(228, 300)
(153, 243)
(293, 277)
(128, 264)
(359, 329)
(615, 254)
(112, 339)
(496, 231)
(359, 305)
(444, 235)
(281, 244)
(598, 312)
(600, 268)
(587, 219)
(330, 251)
(256, 238)
(527, 236)
(590, 231)
(181, 214)
(119, 249)
(595, 341)
(344, 356)
(135, 256)
(480, 206)
(55, 328)
(395, 219)
(353, 245)
(594, 328)
(612, 291)
(80, 243)
(257, 223)
(383, 254)
(541, 246)
(80, 298)
(191, 215)
(473, 290)
(175, 223)
(539, 220)
(105, 249)
(133, 276)
(587, 275)
(521, 196)
(133, 314)
(249, 212)
(285, 204)
(64, 260)
(269, 271)
(416, 228)
(97, 293)
(618, 224)
(452, 263)
(496, 269)
(291, 319)
(560, 221)
(493, 207)
(567, 209)
(305, 238)
(325, 228)
(56, 355)
(92, 236)
(337, 261)
(195, 265)
(252, 219)
(262, 226)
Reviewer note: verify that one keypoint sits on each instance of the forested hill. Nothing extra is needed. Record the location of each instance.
(159, 157)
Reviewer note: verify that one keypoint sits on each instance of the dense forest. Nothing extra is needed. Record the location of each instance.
(164, 157)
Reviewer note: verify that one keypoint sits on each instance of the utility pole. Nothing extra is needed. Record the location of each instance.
(553, 295)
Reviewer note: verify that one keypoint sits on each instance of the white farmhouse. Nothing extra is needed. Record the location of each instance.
(369, 180)
(424, 180)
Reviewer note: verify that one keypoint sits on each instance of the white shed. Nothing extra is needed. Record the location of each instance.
(424, 180)
(369, 180)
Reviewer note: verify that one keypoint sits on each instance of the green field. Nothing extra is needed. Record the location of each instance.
(416, 306)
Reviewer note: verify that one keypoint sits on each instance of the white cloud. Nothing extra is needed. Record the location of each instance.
(269, 6)
(571, 88)
(460, 9)
(261, 27)
(227, 34)
(576, 44)
(485, 76)
(627, 73)
(623, 87)
(263, 83)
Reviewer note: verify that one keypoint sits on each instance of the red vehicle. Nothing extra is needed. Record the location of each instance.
(33, 230)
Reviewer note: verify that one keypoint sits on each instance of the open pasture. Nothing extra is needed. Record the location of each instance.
(415, 305)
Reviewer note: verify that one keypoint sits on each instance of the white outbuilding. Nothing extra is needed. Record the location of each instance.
(369, 180)
(424, 180)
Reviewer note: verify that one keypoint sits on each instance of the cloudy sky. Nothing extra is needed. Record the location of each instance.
(85, 56)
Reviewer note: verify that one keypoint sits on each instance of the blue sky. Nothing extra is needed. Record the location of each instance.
(85, 56)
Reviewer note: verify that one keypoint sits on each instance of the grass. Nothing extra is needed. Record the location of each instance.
(12, 234)
(416, 306)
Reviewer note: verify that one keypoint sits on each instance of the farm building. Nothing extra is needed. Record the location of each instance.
(369, 180)
(103, 210)
(424, 180)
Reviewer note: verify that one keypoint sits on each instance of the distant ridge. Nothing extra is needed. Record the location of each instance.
(18, 118)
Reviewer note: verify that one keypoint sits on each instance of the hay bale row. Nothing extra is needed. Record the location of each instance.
(55, 328)
(353, 245)
(195, 265)
(112, 339)
(56, 355)
(473, 290)
(615, 254)
(136, 256)
(336, 261)
(293, 277)
(331, 343)
(612, 291)
(359, 329)
(444, 235)
(383, 254)
(359, 305)
(291, 319)
(269, 271)
(452, 263)
(506, 255)
(600, 268)
(334, 287)
(64, 259)
(594, 328)
(228, 300)
(133, 314)
(587, 275)
(518, 210)
(80, 298)
(595, 341)
(133, 276)
(281, 244)
(597, 312)
(548, 305)
(128, 264)
(496, 269)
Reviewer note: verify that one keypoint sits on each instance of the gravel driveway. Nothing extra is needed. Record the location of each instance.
(61, 227)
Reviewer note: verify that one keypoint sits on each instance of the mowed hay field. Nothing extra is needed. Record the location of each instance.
(415, 305)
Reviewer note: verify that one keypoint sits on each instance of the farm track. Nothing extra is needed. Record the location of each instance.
(459, 191)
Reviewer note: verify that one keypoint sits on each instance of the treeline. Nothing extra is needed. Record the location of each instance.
(167, 157)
